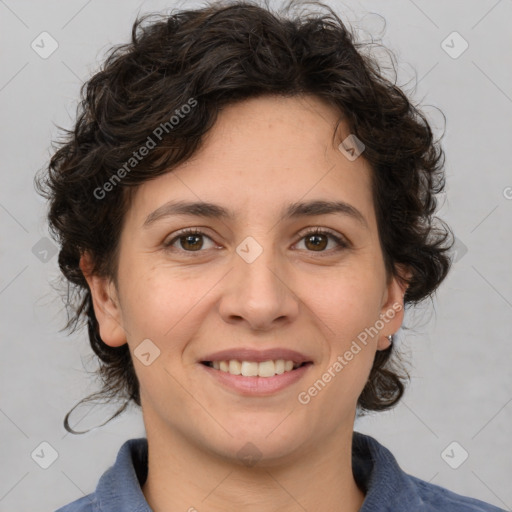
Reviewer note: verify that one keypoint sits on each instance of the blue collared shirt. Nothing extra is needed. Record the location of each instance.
(376, 471)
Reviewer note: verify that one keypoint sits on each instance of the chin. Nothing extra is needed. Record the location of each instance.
(257, 440)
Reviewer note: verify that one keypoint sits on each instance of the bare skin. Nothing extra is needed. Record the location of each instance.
(199, 296)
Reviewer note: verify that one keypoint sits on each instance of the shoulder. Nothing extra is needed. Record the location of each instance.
(437, 498)
(390, 489)
(84, 504)
(119, 488)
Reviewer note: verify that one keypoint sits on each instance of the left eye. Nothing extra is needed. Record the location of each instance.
(314, 235)
(190, 240)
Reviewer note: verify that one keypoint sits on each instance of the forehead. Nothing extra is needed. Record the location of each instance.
(261, 154)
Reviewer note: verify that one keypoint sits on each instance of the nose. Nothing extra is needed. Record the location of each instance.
(259, 293)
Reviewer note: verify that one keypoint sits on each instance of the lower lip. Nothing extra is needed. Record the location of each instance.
(257, 386)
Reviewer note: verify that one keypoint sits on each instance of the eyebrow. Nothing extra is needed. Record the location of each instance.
(293, 210)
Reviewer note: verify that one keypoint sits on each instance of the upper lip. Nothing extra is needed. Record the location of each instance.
(258, 356)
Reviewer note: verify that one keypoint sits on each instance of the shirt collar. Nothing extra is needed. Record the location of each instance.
(386, 486)
(120, 487)
(375, 469)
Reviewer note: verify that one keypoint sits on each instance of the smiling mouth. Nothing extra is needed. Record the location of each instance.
(255, 369)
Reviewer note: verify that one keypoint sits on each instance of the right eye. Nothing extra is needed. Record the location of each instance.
(187, 237)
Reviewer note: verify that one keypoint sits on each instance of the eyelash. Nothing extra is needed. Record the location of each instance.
(342, 243)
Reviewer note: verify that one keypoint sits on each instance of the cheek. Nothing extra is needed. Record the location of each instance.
(152, 305)
(348, 303)
(349, 308)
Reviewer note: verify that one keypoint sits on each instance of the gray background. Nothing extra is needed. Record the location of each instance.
(460, 350)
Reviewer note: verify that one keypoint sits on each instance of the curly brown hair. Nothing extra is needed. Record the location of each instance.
(218, 55)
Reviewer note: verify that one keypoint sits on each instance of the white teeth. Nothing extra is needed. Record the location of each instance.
(266, 369)
(249, 369)
(235, 367)
(253, 369)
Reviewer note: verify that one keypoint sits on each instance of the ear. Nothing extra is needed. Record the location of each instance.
(392, 311)
(105, 303)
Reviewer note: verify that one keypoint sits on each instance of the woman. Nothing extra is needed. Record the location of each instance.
(246, 207)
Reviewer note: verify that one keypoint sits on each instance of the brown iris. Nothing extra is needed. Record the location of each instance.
(316, 245)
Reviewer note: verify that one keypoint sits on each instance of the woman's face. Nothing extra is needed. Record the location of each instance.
(253, 280)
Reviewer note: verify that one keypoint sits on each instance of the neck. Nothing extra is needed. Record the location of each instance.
(182, 476)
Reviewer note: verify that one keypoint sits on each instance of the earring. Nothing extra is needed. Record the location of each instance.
(390, 338)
